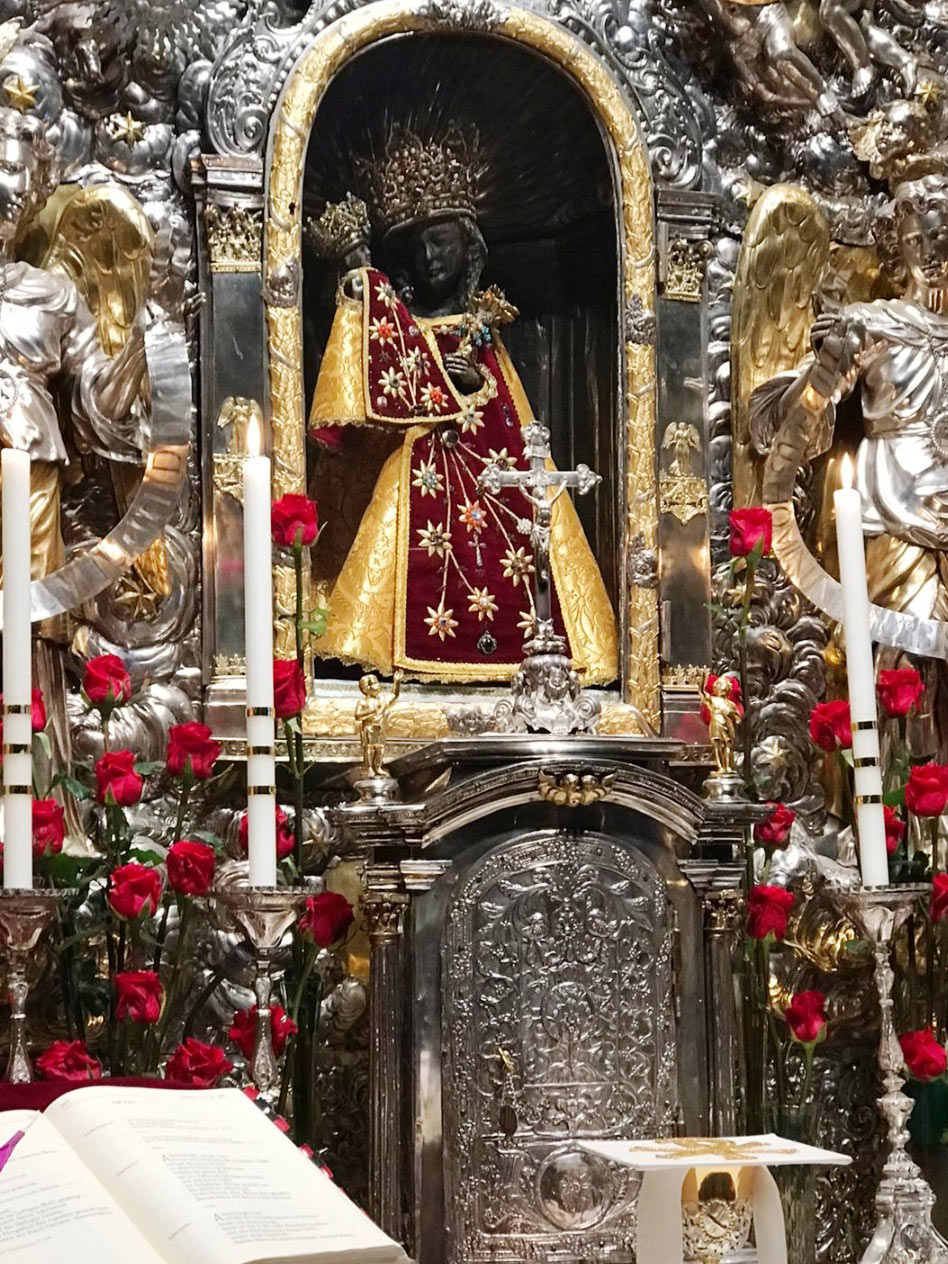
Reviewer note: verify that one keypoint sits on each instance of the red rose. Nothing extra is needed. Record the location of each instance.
(289, 688)
(190, 867)
(894, 829)
(899, 690)
(767, 911)
(806, 1017)
(134, 889)
(775, 831)
(294, 521)
(927, 791)
(117, 782)
(105, 682)
(326, 918)
(191, 750)
(831, 726)
(68, 1060)
(138, 996)
(48, 829)
(244, 1026)
(750, 527)
(194, 1062)
(286, 839)
(925, 1058)
(939, 905)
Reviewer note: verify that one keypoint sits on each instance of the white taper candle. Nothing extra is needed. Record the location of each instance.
(860, 671)
(17, 670)
(258, 632)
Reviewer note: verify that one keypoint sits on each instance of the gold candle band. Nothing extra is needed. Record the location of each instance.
(261, 750)
(868, 798)
(261, 789)
(866, 761)
(268, 711)
(862, 726)
(17, 708)
(18, 790)
(17, 748)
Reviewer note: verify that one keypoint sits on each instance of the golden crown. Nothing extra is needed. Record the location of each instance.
(415, 180)
(341, 226)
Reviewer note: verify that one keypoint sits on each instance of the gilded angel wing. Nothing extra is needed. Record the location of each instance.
(784, 253)
(104, 243)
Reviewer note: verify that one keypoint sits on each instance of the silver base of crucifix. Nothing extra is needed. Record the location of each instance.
(546, 695)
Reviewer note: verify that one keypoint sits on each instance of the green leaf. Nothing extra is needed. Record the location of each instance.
(64, 870)
(895, 798)
(72, 786)
(293, 724)
(148, 767)
(315, 626)
(147, 855)
(42, 741)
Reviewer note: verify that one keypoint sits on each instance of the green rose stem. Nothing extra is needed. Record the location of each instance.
(171, 996)
(910, 932)
(187, 780)
(930, 939)
(298, 736)
(749, 573)
(291, 1062)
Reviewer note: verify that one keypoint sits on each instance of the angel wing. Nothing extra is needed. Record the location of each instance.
(104, 243)
(783, 256)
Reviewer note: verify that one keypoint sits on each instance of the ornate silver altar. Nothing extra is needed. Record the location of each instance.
(539, 974)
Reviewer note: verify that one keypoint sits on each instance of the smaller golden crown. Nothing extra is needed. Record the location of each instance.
(415, 180)
(341, 226)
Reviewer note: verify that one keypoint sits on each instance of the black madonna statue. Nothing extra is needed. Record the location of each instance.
(438, 579)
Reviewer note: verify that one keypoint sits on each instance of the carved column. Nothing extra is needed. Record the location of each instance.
(384, 906)
(723, 912)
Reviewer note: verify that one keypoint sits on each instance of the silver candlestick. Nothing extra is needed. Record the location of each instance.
(24, 916)
(264, 914)
(904, 1199)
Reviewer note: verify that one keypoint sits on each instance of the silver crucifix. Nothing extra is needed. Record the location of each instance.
(542, 486)
(546, 693)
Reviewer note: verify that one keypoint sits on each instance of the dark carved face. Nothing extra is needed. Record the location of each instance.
(923, 235)
(357, 255)
(437, 257)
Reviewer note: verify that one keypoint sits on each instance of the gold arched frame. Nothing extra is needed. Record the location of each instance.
(332, 716)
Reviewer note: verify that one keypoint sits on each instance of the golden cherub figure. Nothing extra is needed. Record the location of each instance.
(371, 716)
(722, 709)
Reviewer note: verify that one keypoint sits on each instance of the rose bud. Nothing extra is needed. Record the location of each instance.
(750, 527)
(831, 726)
(326, 918)
(926, 793)
(894, 829)
(138, 995)
(68, 1060)
(899, 690)
(190, 867)
(117, 782)
(294, 521)
(939, 904)
(925, 1058)
(806, 1017)
(286, 839)
(194, 1062)
(775, 830)
(105, 682)
(244, 1026)
(767, 911)
(48, 829)
(134, 890)
(191, 751)
(289, 688)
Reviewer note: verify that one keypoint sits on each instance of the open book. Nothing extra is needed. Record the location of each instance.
(109, 1175)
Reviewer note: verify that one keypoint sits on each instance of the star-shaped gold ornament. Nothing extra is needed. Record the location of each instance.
(127, 128)
(21, 93)
(134, 598)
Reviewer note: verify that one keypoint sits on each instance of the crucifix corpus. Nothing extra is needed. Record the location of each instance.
(546, 694)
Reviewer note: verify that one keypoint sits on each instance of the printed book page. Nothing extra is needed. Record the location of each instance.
(53, 1208)
(210, 1180)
